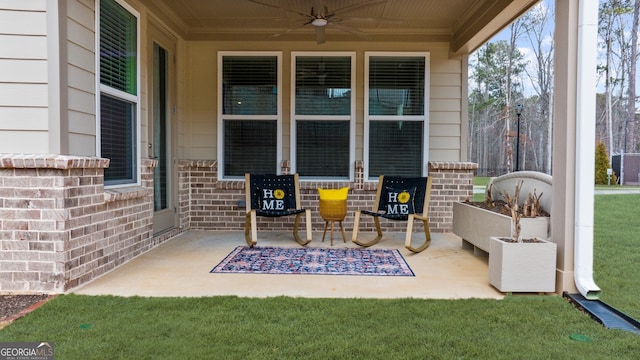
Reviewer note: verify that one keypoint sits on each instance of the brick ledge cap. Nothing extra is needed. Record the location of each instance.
(452, 165)
(51, 161)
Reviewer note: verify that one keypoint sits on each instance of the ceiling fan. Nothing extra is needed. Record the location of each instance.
(320, 17)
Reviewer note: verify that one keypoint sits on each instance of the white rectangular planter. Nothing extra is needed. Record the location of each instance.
(476, 225)
(522, 267)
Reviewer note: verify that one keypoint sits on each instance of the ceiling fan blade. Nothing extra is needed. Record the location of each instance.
(351, 30)
(320, 35)
(317, 8)
(281, 7)
(370, 20)
(289, 30)
(357, 6)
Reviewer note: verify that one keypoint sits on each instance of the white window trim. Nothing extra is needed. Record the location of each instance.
(221, 116)
(351, 118)
(424, 119)
(100, 89)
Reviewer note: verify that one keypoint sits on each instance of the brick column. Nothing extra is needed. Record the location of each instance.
(60, 228)
(452, 181)
(42, 202)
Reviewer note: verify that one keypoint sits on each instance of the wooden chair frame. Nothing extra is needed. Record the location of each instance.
(420, 214)
(293, 206)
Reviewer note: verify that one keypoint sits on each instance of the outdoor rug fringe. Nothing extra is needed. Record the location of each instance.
(314, 261)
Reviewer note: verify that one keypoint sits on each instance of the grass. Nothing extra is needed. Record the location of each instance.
(617, 251)
(616, 187)
(517, 327)
(481, 180)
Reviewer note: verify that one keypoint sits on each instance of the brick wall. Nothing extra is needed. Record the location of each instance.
(59, 228)
(213, 204)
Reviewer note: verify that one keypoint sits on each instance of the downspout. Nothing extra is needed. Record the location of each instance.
(585, 148)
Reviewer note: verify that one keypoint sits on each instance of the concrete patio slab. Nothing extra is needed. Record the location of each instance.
(180, 268)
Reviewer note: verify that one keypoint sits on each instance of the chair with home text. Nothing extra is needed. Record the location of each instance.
(399, 199)
(273, 196)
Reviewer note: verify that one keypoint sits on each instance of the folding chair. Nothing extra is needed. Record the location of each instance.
(399, 199)
(273, 196)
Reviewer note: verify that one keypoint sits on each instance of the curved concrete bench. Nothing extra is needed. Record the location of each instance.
(532, 180)
(475, 225)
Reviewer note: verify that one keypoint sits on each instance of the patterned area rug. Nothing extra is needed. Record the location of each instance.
(317, 261)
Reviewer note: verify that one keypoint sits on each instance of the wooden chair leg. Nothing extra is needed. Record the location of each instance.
(356, 225)
(344, 238)
(332, 232)
(409, 235)
(296, 224)
(308, 224)
(355, 239)
(326, 224)
(251, 229)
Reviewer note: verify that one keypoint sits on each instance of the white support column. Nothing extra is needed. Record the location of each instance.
(573, 144)
(585, 148)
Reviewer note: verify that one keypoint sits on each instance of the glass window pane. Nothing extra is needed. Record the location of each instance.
(322, 148)
(323, 85)
(118, 47)
(395, 148)
(250, 85)
(396, 85)
(160, 133)
(250, 146)
(118, 139)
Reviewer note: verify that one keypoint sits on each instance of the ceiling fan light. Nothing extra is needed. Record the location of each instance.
(319, 22)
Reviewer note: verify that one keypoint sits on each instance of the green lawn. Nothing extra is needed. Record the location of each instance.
(518, 327)
(481, 181)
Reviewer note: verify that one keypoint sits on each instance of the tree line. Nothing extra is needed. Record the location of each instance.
(518, 71)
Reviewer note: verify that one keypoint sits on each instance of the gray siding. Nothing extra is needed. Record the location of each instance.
(81, 74)
(23, 77)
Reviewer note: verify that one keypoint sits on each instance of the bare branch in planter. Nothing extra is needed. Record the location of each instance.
(534, 204)
(489, 199)
(514, 207)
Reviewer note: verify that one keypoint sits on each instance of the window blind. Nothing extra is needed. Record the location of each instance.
(396, 85)
(323, 85)
(117, 141)
(395, 148)
(118, 47)
(250, 146)
(250, 85)
(322, 149)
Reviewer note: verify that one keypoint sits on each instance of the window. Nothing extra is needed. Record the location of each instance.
(323, 115)
(118, 89)
(396, 108)
(250, 113)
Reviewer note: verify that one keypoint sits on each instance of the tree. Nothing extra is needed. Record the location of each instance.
(611, 29)
(630, 125)
(497, 68)
(541, 76)
(602, 164)
(496, 84)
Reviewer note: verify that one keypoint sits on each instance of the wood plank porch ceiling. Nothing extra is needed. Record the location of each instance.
(465, 24)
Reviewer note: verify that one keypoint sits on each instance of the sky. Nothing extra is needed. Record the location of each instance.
(524, 44)
(525, 47)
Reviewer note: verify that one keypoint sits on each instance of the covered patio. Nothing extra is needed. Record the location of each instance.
(79, 200)
(180, 267)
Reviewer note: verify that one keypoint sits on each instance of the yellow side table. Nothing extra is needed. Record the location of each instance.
(333, 207)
